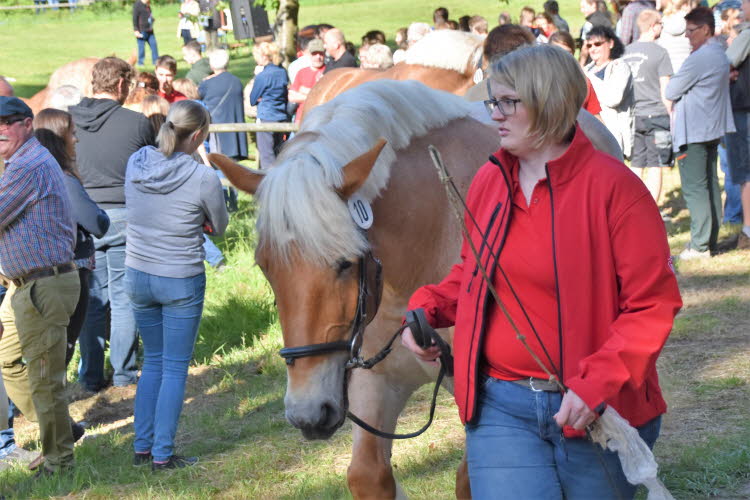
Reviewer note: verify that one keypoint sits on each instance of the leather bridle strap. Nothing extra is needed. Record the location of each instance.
(291, 353)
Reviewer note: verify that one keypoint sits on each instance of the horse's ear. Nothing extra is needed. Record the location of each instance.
(241, 177)
(357, 170)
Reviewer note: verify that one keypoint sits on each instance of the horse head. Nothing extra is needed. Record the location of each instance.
(316, 299)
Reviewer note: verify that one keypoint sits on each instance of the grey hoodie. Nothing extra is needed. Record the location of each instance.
(168, 202)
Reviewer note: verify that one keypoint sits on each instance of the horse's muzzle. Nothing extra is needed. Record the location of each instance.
(316, 423)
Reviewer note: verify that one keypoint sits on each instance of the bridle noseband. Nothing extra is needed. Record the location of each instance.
(368, 301)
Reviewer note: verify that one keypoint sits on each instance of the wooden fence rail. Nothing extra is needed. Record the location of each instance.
(254, 127)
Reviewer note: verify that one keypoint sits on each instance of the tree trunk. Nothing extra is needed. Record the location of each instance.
(286, 29)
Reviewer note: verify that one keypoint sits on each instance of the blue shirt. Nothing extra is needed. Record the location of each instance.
(270, 89)
(36, 219)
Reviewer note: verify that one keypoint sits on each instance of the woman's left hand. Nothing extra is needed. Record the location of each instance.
(574, 412)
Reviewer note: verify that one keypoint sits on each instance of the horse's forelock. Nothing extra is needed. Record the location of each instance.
(299, 202)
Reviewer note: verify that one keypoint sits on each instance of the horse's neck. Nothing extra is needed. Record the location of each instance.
(437, 78)
(416, 235)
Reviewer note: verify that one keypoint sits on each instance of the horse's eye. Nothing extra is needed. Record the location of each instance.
(342, 265)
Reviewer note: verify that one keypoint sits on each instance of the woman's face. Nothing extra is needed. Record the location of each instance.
(512, 120)
(70, 142)
(600, 49)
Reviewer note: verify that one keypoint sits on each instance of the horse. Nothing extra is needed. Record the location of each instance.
(368, 145)
(76, 74)
(445, 60)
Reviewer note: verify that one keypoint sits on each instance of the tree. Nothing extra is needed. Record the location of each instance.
(285, 29)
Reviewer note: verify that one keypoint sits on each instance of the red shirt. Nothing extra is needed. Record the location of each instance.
(591, 104)
(307, 78)
(527, 262)
(173, 97)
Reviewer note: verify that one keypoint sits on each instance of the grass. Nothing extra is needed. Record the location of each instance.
(234, 413)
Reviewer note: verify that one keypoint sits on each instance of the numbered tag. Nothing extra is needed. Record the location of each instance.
(361, 211)
(478, 76)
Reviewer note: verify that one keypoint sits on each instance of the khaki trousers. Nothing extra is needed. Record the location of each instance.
(15, 371)
(42, 311)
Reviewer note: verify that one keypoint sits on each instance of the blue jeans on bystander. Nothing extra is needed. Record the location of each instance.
(107, 291)
(516, 450)
(733, 202)
(168, 312)
(149, 38)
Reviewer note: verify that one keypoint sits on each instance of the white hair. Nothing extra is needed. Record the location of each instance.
(417, 31)
(379, 56)
(64, 97)
(298, 198)
(218, 59)
(447, 49)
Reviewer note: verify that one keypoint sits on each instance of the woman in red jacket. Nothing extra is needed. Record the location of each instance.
(577, 251)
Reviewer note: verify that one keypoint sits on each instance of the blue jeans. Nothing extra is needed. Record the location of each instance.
(168, 312)
(733, 202)
(149, 38)
(214, 257)
(516, 450)
(7, 436)
(107, 291)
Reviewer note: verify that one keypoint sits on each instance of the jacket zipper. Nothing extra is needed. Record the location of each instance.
(557, 279)
(491, 274)
(484, 243)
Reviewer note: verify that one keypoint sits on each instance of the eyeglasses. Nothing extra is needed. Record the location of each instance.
(7, 122)
(595, 44)
(690, 31)
(507, 106)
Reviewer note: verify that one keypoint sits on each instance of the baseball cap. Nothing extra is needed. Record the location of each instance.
(14, 106)
(315, 45)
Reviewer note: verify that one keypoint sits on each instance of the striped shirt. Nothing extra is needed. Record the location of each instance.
(36, 219)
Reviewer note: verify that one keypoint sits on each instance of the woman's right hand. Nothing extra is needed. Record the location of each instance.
(428, 355)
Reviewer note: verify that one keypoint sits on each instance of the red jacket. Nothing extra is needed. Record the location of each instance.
(617, 292)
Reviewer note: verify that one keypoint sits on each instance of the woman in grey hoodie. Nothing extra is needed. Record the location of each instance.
(171, 199)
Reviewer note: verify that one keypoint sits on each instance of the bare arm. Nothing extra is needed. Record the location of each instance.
(663, 82)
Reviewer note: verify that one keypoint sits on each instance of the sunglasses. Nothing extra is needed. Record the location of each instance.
(7, 122)
(595, 44)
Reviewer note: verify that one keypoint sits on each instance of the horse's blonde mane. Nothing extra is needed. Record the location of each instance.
(447, 49)
(300, 208)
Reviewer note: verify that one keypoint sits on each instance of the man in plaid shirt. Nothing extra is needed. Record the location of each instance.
(37, 237)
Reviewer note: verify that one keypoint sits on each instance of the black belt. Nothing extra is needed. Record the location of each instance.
(45, 272)
(538, 384)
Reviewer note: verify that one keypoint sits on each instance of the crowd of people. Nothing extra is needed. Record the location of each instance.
(83, 182)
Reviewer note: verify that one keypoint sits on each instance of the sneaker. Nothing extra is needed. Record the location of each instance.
(174, 462)
(693, 254)
(743, 242)
(141, 459)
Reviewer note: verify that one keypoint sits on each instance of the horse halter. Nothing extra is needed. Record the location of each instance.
(369, 295)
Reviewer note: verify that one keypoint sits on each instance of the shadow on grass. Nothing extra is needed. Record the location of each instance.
(227, 406)
(22, 89)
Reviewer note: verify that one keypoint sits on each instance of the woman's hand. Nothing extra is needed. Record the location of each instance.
(574, 412)
(428, 355)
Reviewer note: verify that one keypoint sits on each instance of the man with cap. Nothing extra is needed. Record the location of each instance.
(307, 77)
(37, 238)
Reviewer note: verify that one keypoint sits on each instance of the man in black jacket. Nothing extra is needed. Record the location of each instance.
(143, 28)
(107, 135)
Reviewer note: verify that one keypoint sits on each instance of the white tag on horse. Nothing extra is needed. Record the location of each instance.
(361, 211)
(478, 75)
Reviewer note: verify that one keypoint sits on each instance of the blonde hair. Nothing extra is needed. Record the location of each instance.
(646, 19)
(154, 104)
(551, 86)
(186, 87)
(184, 118)
(270, 50)
(670, 7)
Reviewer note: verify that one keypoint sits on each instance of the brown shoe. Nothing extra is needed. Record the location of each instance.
(743, 242)
(34, 465)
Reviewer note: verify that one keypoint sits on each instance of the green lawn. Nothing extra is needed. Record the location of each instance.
(234, 415)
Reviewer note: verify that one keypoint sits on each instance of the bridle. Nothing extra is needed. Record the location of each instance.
(368, 301)
(370, 293)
